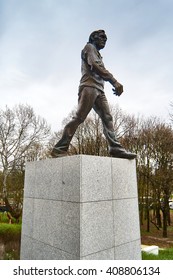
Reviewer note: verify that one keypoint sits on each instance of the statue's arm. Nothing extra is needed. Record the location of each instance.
(98, 67)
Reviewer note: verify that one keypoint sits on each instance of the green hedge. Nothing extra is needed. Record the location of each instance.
(10, 236)
(10, 232)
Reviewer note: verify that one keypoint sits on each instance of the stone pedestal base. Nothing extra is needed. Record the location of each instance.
(81, 208)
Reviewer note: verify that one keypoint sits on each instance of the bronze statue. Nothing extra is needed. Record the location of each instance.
(91, 95)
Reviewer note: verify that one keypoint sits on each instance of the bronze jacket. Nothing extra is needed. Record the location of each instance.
(93, 70)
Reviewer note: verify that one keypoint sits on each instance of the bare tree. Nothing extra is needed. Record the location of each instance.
(163, 158)
(20, 130)
(154, 146)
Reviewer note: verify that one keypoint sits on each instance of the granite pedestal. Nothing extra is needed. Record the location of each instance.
(81, 208)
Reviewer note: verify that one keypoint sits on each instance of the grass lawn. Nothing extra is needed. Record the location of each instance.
(166, 254)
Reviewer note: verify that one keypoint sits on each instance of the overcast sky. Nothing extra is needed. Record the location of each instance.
(41, 42)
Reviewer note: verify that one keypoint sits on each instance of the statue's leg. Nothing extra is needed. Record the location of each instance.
(115, 148)
(85, 103)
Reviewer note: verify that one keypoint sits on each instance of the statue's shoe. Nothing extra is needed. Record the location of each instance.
(58, 152)
(121, 153)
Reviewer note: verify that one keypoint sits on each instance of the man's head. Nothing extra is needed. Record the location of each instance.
(98, 38)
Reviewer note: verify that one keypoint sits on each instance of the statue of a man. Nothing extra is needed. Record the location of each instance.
(91, 95)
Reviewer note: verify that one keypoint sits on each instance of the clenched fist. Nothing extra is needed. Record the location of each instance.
(118, 88)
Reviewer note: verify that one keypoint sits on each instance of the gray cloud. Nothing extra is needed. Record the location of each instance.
(41, 43)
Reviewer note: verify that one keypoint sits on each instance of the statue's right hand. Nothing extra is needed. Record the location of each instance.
(118, 88)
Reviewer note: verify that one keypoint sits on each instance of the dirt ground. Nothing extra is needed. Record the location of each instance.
(154, 237)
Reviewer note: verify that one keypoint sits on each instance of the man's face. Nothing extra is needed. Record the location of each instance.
(100, 40)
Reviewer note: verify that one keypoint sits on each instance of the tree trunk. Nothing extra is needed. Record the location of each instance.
(4, 186)
(158, 217)
(165, 210)
(169, 217)
(165, 234)
(141, 214)
(148, 220)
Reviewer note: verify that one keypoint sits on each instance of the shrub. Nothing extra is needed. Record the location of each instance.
(10, 235)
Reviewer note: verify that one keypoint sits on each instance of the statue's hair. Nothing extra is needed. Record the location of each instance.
(94, 34)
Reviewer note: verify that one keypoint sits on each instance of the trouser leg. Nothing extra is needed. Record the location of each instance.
(115, 148)
(68, 133)
(101, 107)
(85, 104)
